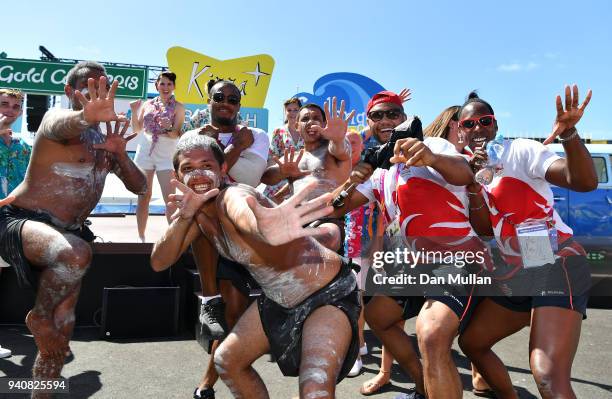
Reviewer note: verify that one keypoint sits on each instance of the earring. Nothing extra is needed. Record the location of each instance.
(461, 137)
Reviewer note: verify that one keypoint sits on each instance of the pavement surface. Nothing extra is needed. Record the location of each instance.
(171, 368)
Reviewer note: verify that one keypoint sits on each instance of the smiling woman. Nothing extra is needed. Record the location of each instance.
(162, 120)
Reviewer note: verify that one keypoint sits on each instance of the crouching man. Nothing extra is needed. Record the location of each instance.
(307, 314)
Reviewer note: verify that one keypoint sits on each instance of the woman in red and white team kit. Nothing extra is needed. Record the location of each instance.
(518, 207)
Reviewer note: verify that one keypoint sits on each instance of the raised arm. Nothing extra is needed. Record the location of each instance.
(124, 168)
(285, 168)
(453, 168)
(575, 172)
(335, 130)
(278, 225)
(62, 125)
(137, 108)
(183, 230)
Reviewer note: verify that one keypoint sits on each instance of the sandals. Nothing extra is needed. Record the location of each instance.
(371, 387)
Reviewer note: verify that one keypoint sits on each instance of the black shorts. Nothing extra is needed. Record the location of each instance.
(12, 220)
(283, 326)
(461, 299)
(235, 272)
(411, 305)
(567, 283)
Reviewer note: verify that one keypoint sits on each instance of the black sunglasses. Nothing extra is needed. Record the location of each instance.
(392, 114)
(231, 99)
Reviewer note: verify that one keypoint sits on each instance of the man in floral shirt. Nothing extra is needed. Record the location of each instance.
(14, 153)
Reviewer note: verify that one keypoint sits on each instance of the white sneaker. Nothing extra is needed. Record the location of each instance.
(5, 352)
(356, 369)
(363, 350)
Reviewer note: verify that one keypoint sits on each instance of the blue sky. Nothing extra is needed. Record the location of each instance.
(518, 54)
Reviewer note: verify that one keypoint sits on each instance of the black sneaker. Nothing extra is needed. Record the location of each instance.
(208, 393)
(212, 319)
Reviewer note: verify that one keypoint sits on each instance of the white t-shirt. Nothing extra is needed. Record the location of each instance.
(427, 205)
(253, 161)
(260, 145)
(521, 193)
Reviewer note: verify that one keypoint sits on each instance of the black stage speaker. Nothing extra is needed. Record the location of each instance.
(140, 312)
(37, 107)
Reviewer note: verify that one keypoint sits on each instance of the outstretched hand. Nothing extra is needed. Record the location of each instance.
(289, 167)
(115, 140)
(568, 118)
(337, 124)
(187, 204)
(412, 152)
(100, 107)
(405, 95)
(285, 222)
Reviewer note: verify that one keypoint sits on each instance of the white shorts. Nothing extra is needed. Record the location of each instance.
(161, 158)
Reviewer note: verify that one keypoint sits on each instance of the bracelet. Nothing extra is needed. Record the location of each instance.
(477, 208)
(477, 192)
(573, 134)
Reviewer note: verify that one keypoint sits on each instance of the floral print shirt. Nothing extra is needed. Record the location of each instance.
(14, 160)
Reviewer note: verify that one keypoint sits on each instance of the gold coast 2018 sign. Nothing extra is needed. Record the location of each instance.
(45, 77)
(251, 74)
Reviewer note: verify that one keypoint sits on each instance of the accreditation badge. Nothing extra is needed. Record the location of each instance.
(535, 243)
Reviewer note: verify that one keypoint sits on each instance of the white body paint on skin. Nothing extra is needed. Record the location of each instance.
(316, 374)
(283, 287)
(214, 179)
(73, 170)
(318, 394)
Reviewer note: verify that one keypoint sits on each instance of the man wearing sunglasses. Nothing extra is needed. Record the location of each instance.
(246, 155)
(42, 231)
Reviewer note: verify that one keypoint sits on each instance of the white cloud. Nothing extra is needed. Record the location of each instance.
(517, 67)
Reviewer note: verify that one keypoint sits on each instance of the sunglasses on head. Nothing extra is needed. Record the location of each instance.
(392, 114)
(484, 121)
(231, 99)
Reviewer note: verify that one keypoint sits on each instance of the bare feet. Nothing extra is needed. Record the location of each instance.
(48, 339)
(375, 384)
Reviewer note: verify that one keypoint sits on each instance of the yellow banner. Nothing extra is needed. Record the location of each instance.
(193, 71)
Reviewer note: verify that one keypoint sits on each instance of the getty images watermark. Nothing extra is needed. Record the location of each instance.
(404, 262)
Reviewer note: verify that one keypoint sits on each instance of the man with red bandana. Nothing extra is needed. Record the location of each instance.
(425, 192)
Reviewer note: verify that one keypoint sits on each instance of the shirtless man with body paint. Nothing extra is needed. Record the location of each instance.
(307, 314)
(326, 159)
(42, 231)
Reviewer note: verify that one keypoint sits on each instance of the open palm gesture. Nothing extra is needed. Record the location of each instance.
(337, 124)
(289, 166)
(568, 118)
(100, 106)
(115, 140)
(188, 202)
(285, 222)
